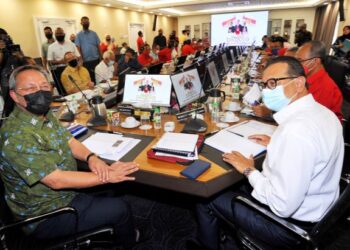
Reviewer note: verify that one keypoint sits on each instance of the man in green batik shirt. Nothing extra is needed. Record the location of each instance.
(39, 170)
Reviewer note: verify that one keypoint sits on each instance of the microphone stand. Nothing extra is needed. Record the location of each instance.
(96, 120)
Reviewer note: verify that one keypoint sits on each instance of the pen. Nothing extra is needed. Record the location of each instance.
(115, 132)
(236, 134)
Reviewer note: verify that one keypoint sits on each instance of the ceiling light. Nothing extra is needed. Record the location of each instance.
(325, 3)
(108, 5)
(85, 1)
(125, 7)
(151, 12)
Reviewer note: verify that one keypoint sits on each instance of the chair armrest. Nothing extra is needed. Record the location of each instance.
(40, 217)
(288, 225)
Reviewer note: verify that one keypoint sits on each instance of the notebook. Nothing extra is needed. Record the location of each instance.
(177, 144)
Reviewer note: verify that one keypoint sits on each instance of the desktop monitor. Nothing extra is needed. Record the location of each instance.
(147, 89)
(225, 62)
(214, 77)
(187, 86)
(155, 69)
(232, 56)
(181, 60)
(219, 64)
(198, 53)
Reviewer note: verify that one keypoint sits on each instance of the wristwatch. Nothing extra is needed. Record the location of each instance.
(247, 172)
(88, 157)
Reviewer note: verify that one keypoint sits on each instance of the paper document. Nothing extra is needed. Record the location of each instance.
(346, 46)
(177, 142)
(190, 158)
(251, 127)
(110, 146)
(226, 142)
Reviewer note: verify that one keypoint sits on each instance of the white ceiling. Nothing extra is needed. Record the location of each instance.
(197, 7)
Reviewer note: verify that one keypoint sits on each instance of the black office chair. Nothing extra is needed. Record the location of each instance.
(56, 75)
(12, 237)
(309, 239)
(337, 70)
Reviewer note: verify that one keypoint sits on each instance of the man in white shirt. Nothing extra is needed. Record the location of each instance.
(57, 50)
(106, 69)
(301, 171)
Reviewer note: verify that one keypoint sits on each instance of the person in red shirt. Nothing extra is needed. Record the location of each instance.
(108, 44)
(145, 59)
(187, 48)
(165, 54)
(321, 85)
(140, 42)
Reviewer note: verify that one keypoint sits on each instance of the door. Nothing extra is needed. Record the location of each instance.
(134, 28)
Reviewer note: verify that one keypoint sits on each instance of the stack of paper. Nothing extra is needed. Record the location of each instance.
(235, 138)
(110, 146)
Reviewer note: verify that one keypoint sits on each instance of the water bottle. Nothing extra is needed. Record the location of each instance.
(157, 119)
(215, 112)
(236, 89)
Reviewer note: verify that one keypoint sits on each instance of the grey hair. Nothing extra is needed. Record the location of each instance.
(107, 54)
(17, 71)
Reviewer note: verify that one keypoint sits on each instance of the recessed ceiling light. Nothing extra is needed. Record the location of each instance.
(169, 16)
(151, 12)
(108, 5)
(160, 14)
(85, 1)
(139, 10)
(325, 3)
(125, 7)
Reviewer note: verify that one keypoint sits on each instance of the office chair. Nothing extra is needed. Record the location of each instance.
(12, 237)
(337, 70)
(309, 239)
(56, 75)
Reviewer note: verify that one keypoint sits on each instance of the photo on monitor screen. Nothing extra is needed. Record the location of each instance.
(224, 60)
(187, 86)
(213, 73)
(147, 89)
(239, 29)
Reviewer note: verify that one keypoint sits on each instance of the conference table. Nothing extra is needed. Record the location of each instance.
(165, 175)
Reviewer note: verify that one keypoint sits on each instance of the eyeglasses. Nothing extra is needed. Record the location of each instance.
(272, 82)
(33, 88)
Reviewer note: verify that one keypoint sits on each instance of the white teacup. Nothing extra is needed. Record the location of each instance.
(229, 116)
(233, 106)
(169, 126)
(130, 121)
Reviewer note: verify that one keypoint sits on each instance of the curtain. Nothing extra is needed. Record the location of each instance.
(325, 22)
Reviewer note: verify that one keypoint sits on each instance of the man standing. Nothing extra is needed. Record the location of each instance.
(160, 40)
(39, 168)
(88, 44)
(302, 35)
(301, 171)
(106, 69)
(45, 46)
(139, 42)
(79, 74)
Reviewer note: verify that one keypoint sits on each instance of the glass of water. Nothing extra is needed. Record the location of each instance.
(145, 122)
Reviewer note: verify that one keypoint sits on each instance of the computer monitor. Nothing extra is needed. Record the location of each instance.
(198, 53)
(187, 86)
(225, 62)
(232, 56)
(214, 77)
(181, 60)
(219, 64)
(147, 89)
(155, 69)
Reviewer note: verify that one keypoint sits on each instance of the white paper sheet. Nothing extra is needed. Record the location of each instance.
(248, 128)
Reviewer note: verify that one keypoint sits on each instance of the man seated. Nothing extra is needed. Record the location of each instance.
(187, 49)
(321, 86)
(165, 54)
(39, 169)
(145, 59)
(128, 61)
(106, 69)
(124, 48)
(79, 75)
(154, 52)
(301, 172)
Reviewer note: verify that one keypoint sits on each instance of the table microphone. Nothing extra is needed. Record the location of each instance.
(110, 88)
(96, 120)
(68, 116)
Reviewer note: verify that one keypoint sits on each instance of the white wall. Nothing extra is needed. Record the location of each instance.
(308, 14)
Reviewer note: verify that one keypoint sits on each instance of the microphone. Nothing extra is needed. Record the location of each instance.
(96, 120)
(68, 116)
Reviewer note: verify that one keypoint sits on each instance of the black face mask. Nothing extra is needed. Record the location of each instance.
(108, 40)
(86, 26)
(49, 36)
(60, 38)
(73, 63)
(39, 102)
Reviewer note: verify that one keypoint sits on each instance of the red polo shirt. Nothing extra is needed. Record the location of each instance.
(326, 92)
(165, 55)
(140, 44)
(187, 50)
(145, 59)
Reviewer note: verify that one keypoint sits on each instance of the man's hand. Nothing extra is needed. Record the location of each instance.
(119, 171)
(91, 85)
(261, 110)
(261, 139)
(100, 168)
(238, 161)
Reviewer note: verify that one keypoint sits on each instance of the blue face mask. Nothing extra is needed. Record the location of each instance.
(110, 63)
(275, 99)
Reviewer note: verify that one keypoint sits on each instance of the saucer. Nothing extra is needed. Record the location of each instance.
(124, 125)
(222, 125)
(145, 127)
(235, 119)
(234, 110)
